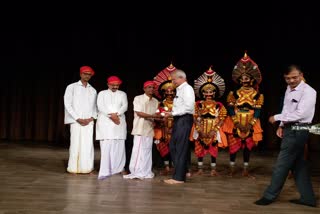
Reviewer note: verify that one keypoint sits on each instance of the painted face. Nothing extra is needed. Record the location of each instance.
(209, 93)
(169, 93)
(246, 80)
(293, 78)
(113, 86)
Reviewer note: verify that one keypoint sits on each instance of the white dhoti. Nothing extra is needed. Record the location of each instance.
(81, 151)
(113, 157)
(141, 159)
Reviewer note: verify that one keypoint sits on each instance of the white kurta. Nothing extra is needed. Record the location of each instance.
(80, 102)
(141, 157)
(111, 102)
(142, 126)
(112, 136)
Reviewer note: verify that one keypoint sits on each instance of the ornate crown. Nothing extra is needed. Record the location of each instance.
(209, 79)
(163, 80)
(246, 66)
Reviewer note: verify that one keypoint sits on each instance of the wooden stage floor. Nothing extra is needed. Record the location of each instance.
(34, 180)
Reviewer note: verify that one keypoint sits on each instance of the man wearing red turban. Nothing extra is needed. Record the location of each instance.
(111, 128)
(86, 70)
(80, 112)
(145, 107)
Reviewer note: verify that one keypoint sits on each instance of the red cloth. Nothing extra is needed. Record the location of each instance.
(235, 144)
(114, 80)
(147, 83)
(86, 69)
(200, 151)
(163, 148)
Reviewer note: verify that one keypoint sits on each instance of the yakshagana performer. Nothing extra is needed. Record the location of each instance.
(165, 91)
(244, 106)
(208, 119)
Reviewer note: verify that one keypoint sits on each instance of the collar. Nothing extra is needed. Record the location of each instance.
(80, 83)
(112, 91)
(146, 97)
(298, 87)
(182, 85)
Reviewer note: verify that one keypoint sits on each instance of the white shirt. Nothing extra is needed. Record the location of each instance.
(79, 102)
(111, 102)
(184, 101)
(298, 105)
(142, 126)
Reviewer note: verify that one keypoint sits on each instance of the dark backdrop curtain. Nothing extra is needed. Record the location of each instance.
(32, 105)
(32, 109)
(39, 62)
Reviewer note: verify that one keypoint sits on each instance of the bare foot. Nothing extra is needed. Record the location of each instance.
(200, 172)
(166, 171)
(231, 172)
(214, 172)
(172, 181)
(124, 172)
(188, 174)
(245, 173)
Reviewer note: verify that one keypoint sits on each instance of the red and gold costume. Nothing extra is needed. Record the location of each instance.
(244, 105)
(208, 118)
(165, 91)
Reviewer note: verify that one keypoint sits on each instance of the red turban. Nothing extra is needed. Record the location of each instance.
(147, 83)
(86, 69)
(114, 79)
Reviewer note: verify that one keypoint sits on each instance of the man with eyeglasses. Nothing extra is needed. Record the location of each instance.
(298, 110)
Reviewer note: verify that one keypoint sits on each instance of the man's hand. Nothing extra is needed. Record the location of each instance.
(272, 120)
(84, 122)
(280, 132)
(157, 117)
(167, 114)
(115, 118)
(237, 125)
(245, 128)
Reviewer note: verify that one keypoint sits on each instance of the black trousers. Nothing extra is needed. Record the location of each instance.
(291, 157)
(179, 145)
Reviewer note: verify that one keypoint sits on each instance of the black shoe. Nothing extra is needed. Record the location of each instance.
(297, 201)
(263, 201)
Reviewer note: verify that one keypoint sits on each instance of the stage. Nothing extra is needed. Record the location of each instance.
(34, 180)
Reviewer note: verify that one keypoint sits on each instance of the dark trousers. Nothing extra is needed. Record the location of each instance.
(291, 157)
(179, 145)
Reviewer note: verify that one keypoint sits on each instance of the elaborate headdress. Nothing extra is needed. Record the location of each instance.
(163, 80)
(209, 79)
(248, 67)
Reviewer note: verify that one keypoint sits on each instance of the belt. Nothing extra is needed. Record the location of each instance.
(286, 125)
(177, 117)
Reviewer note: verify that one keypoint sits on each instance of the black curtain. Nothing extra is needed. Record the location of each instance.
(40, 61)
